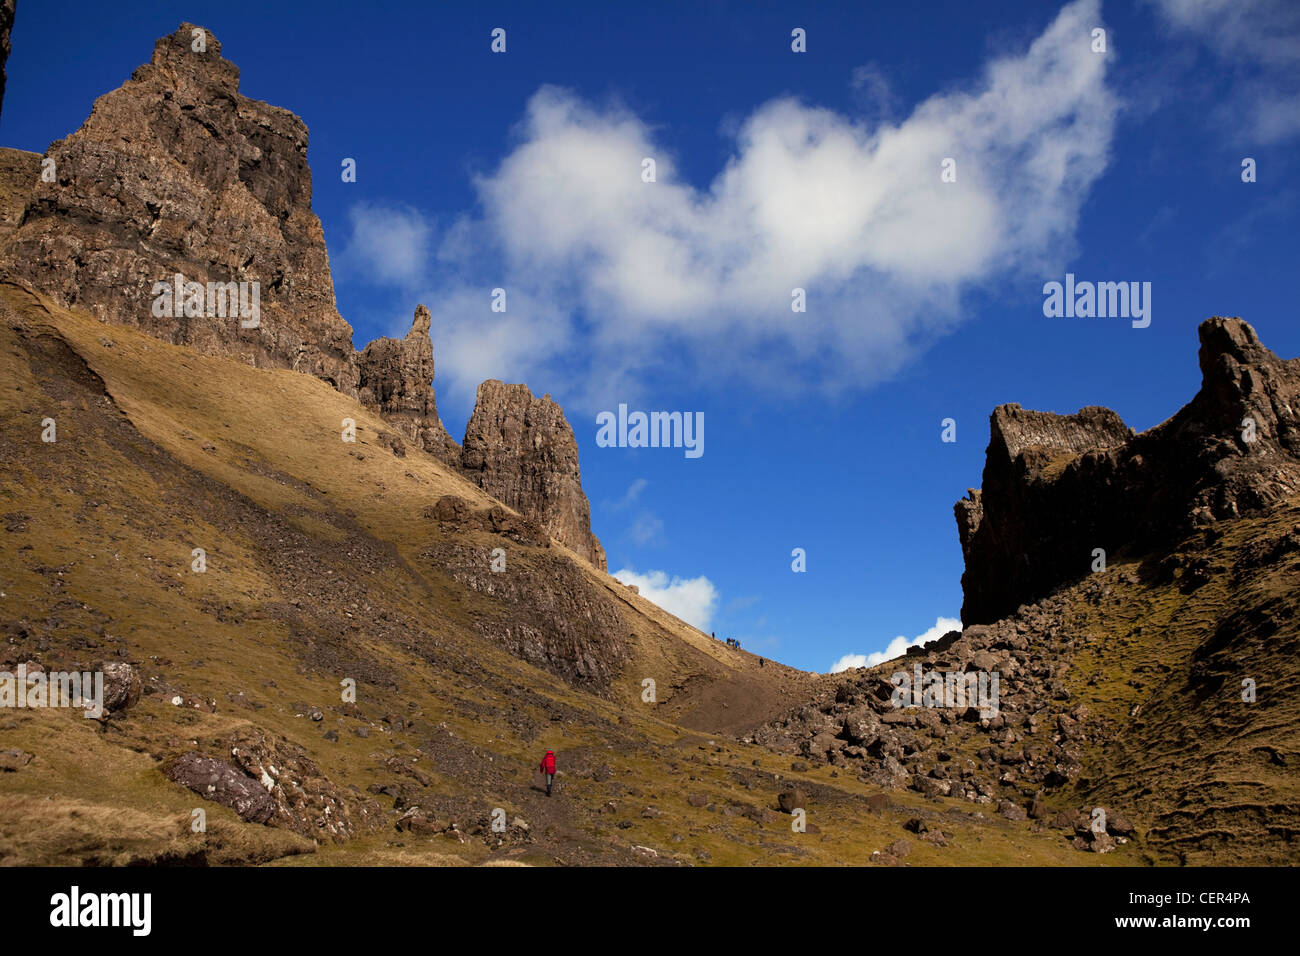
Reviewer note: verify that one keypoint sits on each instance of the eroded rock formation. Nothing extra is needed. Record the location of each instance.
(521, 450)
(395, 376)
(1056, 487)
(176, 172)
(19, 169)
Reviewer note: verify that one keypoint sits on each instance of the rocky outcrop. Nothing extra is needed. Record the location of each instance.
(272, 781)
(544, 610)
(1006, 545)
(521, 450)
(395, 377)
(221, 783)
(173, 173)
(177, 173)
(455, 515)
(998, 743)
(19, 171)
(1057, 487)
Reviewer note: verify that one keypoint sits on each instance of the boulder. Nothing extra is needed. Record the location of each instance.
(121, 685)
(887, 773)
(792, 799)
(862, 726)
(1012, 810)
(932, 787)
(1101, 843)
(221, 783)
(1119, 825)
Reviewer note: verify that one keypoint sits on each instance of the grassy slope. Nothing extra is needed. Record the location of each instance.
(1212, 776)
(162, 450)
(1160, 655)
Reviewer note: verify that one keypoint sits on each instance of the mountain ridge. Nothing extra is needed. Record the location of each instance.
(1056, 488)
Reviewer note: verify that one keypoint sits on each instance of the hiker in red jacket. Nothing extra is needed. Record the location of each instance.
(548, 768)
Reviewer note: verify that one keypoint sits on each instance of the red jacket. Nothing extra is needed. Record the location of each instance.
(548, 763)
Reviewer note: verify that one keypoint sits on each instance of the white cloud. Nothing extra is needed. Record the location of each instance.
(619, 279)
(387, 243)
(1258, 43)
(691, 599)
(897, 647)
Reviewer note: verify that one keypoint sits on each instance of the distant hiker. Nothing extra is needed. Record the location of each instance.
(548, 768)
(713, 634)
(761, 662)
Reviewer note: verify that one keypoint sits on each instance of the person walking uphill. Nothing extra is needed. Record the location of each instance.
(548, 768)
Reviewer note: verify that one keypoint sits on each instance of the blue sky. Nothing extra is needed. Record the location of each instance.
(775, 169)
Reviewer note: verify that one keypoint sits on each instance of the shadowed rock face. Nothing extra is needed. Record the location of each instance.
(521, 450)
(6, 24)
(19, 169)
(177, 172)
(1056, 487)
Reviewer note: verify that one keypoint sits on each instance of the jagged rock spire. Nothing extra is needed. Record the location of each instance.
(521, 450)
(396, 378)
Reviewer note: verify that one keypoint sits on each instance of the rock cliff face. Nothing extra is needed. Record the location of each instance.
(6, 24)
(19, 169)
(175, 173)
(1056, 487)
(521, 450)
